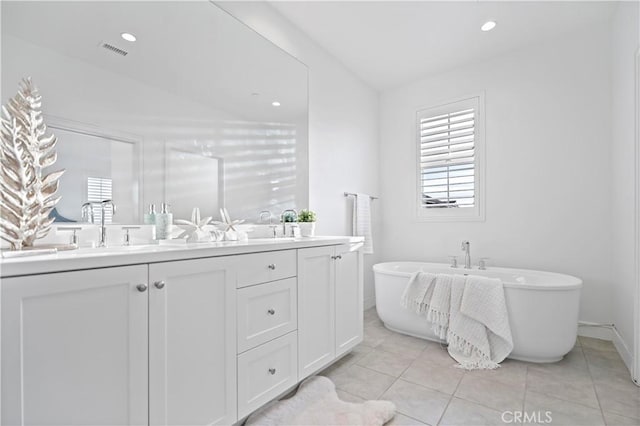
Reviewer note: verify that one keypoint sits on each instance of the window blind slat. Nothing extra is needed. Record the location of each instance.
(447, 159)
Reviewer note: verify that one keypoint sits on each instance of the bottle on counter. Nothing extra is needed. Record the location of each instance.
(150, 216)
(164, 223)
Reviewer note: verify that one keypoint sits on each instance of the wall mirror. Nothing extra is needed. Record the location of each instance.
(199, 111)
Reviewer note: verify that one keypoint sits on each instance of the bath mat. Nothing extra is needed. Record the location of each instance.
(316, 403)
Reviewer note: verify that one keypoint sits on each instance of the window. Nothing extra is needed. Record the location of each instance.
(450, 161)
(99, 189)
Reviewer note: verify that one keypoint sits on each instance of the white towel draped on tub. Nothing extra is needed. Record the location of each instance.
(469, 312)
(362, 221)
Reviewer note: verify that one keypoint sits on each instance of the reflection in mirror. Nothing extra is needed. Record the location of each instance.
(194, 96)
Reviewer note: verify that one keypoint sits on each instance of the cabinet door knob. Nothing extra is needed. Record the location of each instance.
(272, 371)
(339, 256)
(271, 312)
(141, 288)
(272, 266)
(159, 285)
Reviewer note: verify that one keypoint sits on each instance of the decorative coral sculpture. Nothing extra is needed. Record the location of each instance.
(27, 193)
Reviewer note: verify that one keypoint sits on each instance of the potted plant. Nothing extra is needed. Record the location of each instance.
(307, 222)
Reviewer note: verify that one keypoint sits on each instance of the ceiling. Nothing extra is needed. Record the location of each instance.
(389, 43)
(191, 49)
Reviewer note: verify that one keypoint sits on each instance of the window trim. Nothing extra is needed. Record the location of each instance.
(476, 213)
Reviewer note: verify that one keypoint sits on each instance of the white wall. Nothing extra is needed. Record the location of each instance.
(343, 127)
(624, 45)
(548, 168)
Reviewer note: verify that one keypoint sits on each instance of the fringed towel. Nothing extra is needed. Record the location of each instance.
(469, 312)
(479, 335)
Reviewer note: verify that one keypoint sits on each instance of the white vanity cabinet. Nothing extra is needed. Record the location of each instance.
(181, 341)
(330, 305)
(192, 342)
(74, 348)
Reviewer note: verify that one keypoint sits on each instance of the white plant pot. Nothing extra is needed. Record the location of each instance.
(307, 229)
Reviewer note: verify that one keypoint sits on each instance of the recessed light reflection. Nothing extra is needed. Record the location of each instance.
(128, 36)
(488, 26)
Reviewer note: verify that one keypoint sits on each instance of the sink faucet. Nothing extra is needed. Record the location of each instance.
(103, 228)
(283, 217)
(87, 212)
(466, 248)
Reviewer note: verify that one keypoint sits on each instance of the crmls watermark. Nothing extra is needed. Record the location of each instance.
(527, 417)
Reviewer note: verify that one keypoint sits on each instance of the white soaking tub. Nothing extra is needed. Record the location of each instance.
(543, 306)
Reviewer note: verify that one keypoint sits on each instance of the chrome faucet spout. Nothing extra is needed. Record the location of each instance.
(466, 248)
(87, 212)
(103, 228)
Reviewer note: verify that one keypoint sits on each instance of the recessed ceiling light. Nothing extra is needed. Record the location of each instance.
(275, 103)
(488, 26)
(128, 36)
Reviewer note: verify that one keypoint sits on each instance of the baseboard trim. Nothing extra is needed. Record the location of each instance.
(623, 349)
(604, 332)
(608, 332)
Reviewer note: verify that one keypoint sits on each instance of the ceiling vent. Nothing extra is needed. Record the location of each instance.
(114, 49)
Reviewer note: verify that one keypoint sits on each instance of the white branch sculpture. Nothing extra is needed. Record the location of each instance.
(27, 194)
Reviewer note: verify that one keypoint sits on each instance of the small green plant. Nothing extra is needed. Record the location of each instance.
(306, 216)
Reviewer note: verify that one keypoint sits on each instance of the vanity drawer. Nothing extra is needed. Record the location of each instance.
(266, 311)
(266, 371)
(263, 267)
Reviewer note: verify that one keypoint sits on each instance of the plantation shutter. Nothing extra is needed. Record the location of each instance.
(447, 139)
(99, 189)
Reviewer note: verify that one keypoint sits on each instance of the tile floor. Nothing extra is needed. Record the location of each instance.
(590, 386)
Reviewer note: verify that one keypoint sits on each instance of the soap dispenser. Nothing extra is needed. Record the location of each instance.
(150, 217)
(164, 222)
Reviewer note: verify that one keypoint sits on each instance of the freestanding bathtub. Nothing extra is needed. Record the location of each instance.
(543, 306)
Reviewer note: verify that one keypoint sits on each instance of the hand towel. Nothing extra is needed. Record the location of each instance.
(362, 221)
(479, 335)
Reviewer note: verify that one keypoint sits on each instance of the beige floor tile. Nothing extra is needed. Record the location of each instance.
(596, 344)
(347, 397)
(491, 394)
(443, 378)
(465, 413)
(510, 372)
(371, 317)
(616, 378)
(612, 419)
(362, 382)
(604, 359)
(622, 400)
(389, 363)
(402, 420)
(405, 345)
(562, 412)
(573, 364)
(437, 354)
(374, 335)
(578, 390)
(417, 401)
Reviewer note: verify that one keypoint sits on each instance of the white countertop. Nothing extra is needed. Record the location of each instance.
(91, 258)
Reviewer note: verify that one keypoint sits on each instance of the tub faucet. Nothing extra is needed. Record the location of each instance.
(103, 228)
(87, 212)
(466, 248)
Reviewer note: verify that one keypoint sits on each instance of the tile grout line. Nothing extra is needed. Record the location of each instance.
(450, 399)
(593, 385)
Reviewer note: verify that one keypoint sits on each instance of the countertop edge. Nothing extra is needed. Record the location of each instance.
(87, 259)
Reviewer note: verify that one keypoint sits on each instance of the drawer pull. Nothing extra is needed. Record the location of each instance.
(271, 312)
(272, 266)
(272, 371)
(336, 257)
(159, 285)
(141, 288)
